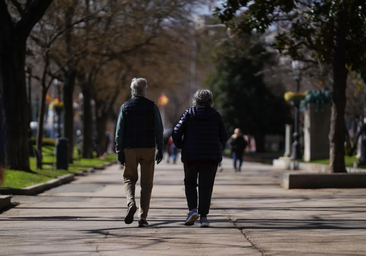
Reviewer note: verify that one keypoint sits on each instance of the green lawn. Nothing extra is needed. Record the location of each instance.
(349, 160)
(19, 179)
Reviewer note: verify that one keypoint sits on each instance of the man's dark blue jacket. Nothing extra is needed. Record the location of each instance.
(139, 125)
(200, 134)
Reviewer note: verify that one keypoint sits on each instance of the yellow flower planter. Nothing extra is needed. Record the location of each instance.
(294, 97)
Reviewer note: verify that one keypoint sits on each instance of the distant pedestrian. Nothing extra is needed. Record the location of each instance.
(201, 135)
(238, 145)
(166, 136)
(173, 150)
(139, 130)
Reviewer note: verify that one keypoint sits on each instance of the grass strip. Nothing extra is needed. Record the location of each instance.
(349, 160)
(19, 179)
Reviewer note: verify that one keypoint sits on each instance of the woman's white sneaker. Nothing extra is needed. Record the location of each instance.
(204, 222)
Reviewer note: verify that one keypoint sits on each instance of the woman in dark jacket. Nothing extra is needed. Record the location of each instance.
(201, 135)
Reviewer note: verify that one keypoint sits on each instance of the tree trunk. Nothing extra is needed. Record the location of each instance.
(101, 129)
(13, 39)
(69, 111)
(88, 124)
(259, 143)
(16, 107)
(69, 84)
(337, 127)
(42, 109)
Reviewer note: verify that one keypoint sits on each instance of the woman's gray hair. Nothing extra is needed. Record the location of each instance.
(203, 97)
(138, 87)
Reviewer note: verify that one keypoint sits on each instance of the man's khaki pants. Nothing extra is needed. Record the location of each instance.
(146, 158)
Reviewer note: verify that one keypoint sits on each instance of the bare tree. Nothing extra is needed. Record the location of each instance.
(17, 19)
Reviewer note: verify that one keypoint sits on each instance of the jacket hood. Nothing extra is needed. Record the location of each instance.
(202, 112)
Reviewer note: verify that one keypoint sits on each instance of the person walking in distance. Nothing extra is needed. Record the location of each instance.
(139, 131)
(238, 145)
(201, 135)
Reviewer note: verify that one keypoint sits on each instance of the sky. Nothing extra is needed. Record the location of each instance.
(209, 9)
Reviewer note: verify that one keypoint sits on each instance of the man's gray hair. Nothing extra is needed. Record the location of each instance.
(138, 87)
(203, 97)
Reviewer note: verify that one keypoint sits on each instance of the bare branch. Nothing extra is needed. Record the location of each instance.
(71, 25)
(32, 15)
(18, 7)
(5, 21)
(27, 4)
(115, 55)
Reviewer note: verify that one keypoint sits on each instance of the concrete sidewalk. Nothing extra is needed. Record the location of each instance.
(250, 215)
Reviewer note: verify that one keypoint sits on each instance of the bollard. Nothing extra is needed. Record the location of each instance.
(62, 160)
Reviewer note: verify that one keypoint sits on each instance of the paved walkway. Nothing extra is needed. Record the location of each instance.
(250, 215)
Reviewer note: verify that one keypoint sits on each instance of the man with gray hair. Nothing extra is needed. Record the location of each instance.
(201, 135)
(139, 130)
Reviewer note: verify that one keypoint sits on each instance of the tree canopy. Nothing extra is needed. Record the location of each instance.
(333, 31)
(241, 95)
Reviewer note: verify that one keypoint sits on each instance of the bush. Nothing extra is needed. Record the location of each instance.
(45, 141)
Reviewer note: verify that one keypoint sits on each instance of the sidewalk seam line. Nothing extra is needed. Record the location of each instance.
(243, 233)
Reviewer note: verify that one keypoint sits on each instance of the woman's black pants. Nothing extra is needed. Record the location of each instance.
(205, 174)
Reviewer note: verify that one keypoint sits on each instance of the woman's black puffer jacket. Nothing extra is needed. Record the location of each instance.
(200, 134)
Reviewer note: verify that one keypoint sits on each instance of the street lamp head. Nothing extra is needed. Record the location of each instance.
(297, 65)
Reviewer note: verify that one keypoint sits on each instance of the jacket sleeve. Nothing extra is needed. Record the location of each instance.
(158, 129)
(179, 130)
(120, 130)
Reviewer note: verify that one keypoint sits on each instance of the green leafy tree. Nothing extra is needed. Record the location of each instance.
(333, 31)
(242, 97)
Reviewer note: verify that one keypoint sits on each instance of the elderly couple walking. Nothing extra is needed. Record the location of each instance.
(200, 134)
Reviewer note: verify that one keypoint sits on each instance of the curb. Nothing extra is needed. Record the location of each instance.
(85, 172)
(317, 176)
(323, 180)
(312, 168)
(5, 201)
(39, 188)
(94, 169)
(99, 167)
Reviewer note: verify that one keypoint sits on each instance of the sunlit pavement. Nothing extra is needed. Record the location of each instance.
(250, 215)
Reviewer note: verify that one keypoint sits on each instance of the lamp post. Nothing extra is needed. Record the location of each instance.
(296, 148)
(58, 108)
(30, 143)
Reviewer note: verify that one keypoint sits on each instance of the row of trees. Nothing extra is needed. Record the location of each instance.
(326, 33)
(97, 46)
(243, 97)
